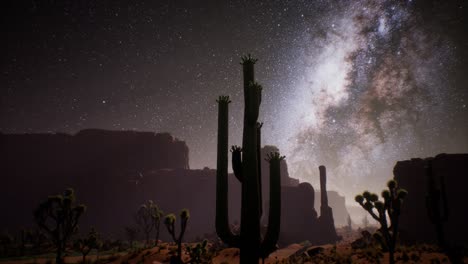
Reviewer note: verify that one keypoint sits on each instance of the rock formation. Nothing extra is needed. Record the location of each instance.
(104, 167)
(114, 172)
(340, 210)
(415, 225)
(326, 222)
(299, 220)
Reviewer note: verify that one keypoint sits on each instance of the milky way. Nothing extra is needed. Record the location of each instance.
(353, 85)
(373, 93)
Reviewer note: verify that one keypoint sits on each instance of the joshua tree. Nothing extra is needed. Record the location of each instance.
(393, 198)
(437, 210)
(86, 244)
(169, 221)
(58, 216)
(156, 215)
(144, 219)
(131, 233)
(246, 167)
(198, 253)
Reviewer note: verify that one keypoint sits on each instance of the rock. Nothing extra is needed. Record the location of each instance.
(326, 222)
(363, 242)
(415, 226)
(114, 172)
(314, 251)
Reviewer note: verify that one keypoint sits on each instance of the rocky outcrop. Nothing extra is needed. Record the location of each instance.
(101, 165)
(415, 225)
(338, 203)
(114, 172)
(299, 219)
(325, 221)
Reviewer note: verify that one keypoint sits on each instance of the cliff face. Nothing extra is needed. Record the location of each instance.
(338, 203)
(93, 149)
(414, 222)
(99, 164)
(113, 173)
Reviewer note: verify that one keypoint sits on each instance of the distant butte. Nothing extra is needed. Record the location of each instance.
(113, 172)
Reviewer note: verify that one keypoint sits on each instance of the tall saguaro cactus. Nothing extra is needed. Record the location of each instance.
(246, 167)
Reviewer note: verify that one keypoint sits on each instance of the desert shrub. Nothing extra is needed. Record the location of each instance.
(199, 253)
(415, 257)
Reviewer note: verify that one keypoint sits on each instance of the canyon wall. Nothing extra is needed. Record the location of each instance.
(114, 172)
(411, 174)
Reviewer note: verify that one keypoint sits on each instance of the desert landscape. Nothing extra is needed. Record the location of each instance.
(225, 132)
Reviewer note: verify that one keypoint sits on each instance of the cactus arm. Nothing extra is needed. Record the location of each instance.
(252, 105)
(274, 218)
(170, 229)
(237, 162)
(370, 211)
(183, 226)
(259, 167)
(222, 210)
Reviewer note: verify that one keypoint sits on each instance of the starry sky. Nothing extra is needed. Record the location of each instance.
(354, 85)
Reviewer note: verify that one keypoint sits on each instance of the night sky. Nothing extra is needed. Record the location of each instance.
(353, 85)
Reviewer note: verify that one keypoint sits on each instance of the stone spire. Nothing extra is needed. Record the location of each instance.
(323, 188)
(326, 222)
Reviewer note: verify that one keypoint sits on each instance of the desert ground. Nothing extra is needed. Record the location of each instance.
(216, 253)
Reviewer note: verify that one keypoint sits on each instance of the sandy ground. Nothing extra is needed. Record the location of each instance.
(339, 253)
(231, 255)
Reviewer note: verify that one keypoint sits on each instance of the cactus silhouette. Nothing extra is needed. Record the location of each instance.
(156, 215)
(169, 221)
(393, 198)
(246, 167)
(144, 220)
(438, 213)
(148, 217)
(86, 244)
(198, 252)
(58, 217)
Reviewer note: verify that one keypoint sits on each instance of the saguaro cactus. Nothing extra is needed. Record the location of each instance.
(393, 198)
(246, 167)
